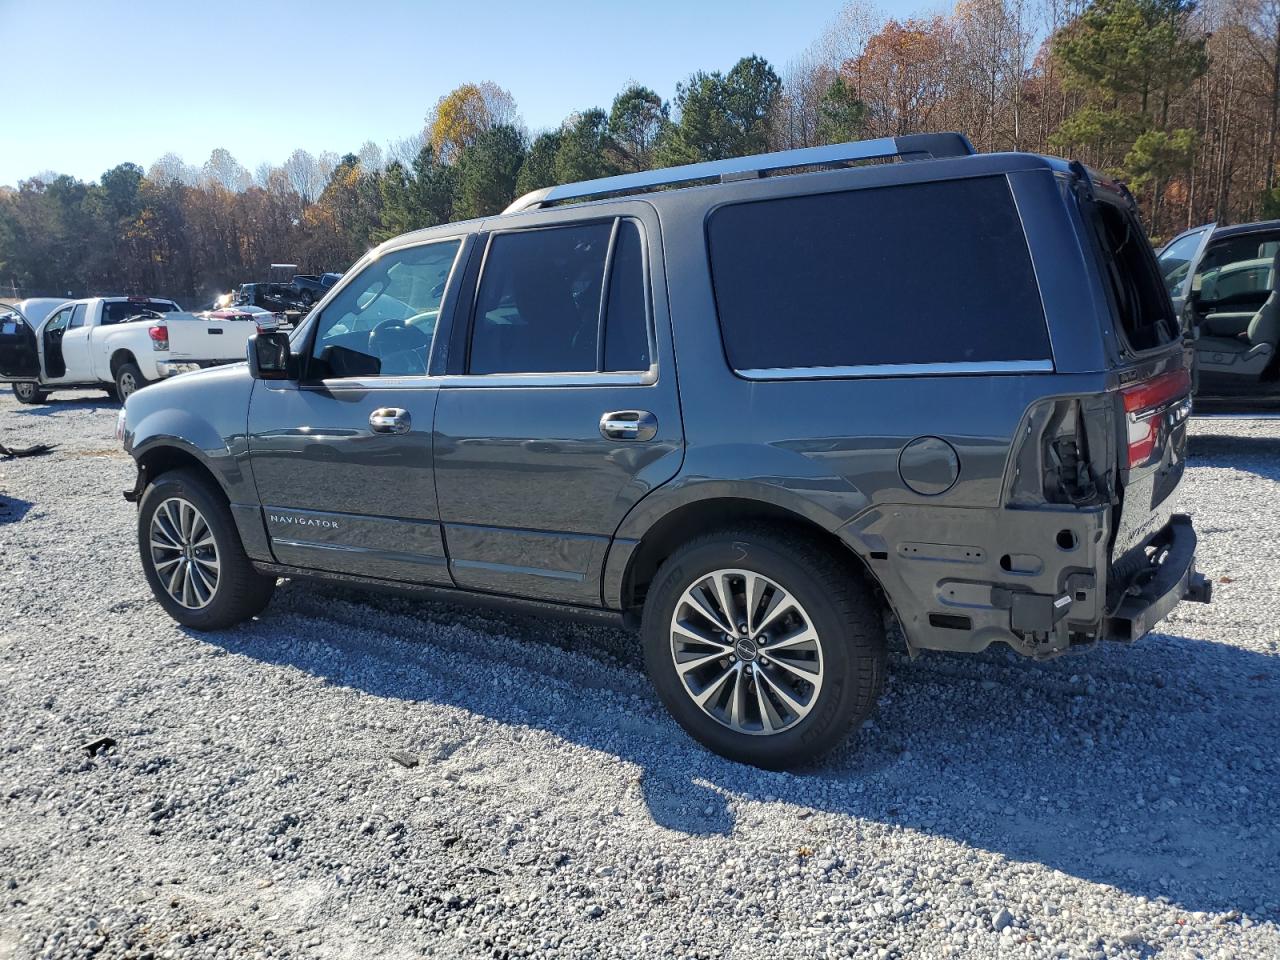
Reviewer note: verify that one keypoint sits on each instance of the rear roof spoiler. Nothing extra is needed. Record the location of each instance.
(916, 146)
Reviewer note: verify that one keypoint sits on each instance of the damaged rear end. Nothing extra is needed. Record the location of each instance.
(1116, 456)
(1083, 544)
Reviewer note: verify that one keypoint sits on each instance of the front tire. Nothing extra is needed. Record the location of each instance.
(192, 555)
(30, 393)
(795, 662)
(129, 379)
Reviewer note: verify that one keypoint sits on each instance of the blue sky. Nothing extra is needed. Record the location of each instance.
(90, 84)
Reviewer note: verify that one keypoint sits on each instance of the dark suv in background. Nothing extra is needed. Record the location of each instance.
(762, 409)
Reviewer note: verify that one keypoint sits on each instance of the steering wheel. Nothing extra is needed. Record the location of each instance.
(393, 340)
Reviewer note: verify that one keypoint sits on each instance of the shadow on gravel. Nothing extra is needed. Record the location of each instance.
(11, 511)
(56, 405)
(1260, 455)
(1151, 768)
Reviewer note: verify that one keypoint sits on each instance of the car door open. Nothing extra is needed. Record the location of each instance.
(19, 355)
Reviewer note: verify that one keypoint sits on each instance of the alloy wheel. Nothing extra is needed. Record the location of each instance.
(184, 553)
(746, 652)
(127, 385)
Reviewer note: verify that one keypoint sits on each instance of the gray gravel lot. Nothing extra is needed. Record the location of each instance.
(1120, 803)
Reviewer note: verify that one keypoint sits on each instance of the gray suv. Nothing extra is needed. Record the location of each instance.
(764, 410)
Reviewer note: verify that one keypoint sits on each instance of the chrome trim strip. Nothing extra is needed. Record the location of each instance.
(586, 379)
(899, 370)
(489, 567)
(424, 559)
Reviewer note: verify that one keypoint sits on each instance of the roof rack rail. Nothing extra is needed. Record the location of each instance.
(915, 146)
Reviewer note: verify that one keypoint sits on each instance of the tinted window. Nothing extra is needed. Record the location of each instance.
(924, 273)
(382, 322)
(1139, 299)
(626, 332)
(77, 316)
(538, 305)
(118, 311)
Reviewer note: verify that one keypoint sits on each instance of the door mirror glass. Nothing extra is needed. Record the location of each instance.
(269, 356)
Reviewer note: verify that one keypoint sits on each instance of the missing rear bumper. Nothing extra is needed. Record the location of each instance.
(1171, 578)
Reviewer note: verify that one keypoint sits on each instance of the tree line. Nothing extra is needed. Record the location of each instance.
(1181, 100)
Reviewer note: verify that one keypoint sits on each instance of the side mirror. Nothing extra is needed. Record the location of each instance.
(269, 356)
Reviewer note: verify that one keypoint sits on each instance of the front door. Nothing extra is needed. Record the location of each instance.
(560, 411)
(51, 334)
(342, 458)
(1178, 263)
(19, 356)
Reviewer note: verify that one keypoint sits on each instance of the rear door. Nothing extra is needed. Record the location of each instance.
(19, 356)
(560, 410)
(342, 457)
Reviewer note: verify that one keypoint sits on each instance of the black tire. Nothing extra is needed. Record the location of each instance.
(240, 591)
(129, 379)
(835, 598)
(30, 393)
(306, 298)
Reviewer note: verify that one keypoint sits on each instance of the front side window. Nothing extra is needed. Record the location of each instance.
(1175, 260)
(58, 321)
(926, 273)
(381, 324)
(77, 316)
(569, 299)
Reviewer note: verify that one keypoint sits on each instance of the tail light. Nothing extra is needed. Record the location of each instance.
(159, 337)
(1146, 407)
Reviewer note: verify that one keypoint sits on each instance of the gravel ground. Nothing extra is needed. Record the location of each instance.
(1120, 803)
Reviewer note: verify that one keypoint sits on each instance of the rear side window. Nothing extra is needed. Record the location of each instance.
(1139, 297)
(542, 305)
(935, 273)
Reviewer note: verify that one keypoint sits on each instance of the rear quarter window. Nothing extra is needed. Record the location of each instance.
(928, 273)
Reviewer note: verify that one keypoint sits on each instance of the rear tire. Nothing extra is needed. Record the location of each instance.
(782, 700)
(192, 555)
(129, 380)
(30, 393)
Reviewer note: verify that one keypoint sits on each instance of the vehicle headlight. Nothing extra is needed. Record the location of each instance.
(120, 425)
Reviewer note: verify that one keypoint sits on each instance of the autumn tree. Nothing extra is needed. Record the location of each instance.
(461, 116)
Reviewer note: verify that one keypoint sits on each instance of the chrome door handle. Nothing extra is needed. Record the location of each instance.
(390, 420)
(629, 425)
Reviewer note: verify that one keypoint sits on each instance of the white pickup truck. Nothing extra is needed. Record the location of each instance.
(118, 343)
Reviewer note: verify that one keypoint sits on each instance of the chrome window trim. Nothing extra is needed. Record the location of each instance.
(947, 368)
(640, 378)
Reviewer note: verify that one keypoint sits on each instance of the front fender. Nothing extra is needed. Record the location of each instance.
(202, 415)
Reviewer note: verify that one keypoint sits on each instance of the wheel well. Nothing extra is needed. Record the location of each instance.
(161, 460)
(705, 516)
(119, 359)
